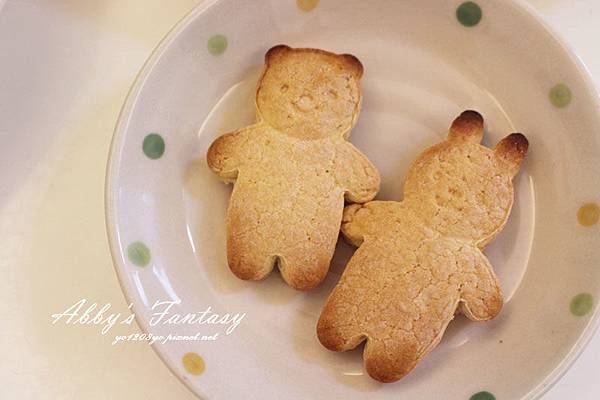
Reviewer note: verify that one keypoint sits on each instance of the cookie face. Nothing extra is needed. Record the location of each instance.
(420, 260)
(463, 189)
(292, 174)
(308, 93)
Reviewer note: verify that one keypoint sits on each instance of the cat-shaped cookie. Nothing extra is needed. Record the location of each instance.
(293, 168)
(420, 259)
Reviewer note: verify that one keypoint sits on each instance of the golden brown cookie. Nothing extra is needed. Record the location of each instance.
(420, 259)
(293, 168)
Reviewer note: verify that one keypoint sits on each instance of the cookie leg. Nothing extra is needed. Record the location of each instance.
(412, 334)
(391, 359)
(338, 337)
(338, 329)
(249, 238)
(304, 271)
(248, 261)
(481, 298)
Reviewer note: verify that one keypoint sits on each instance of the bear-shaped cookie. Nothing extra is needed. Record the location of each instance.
(420, 260)
(293, 168)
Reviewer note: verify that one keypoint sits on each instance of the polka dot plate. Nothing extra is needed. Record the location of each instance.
(425, 61)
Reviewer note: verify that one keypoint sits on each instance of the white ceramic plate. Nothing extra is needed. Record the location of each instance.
(424, 62)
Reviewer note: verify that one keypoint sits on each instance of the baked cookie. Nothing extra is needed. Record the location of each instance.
(420, 260)
(293, 168)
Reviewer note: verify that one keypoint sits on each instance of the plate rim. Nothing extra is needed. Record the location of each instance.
(113, 162)
(115, 151)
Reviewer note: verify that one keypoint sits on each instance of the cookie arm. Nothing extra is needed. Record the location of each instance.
(228, 152)
(480, 295)
(356, 174)
(362, 220)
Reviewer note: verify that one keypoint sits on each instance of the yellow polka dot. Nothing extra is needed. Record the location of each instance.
(589, 214)
(193, 363)
(307, 5)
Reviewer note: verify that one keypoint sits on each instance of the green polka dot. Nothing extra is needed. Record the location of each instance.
(138, 254)
(153, 146)
(469, 13)
(560, 95)
(581, 304)
(217, 45)
(482, 396)
(193, 363)
(307, 5)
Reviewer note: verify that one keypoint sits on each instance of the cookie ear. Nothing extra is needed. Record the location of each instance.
(276, 51)
(512, 150)
(467, 127)
(353, 64)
